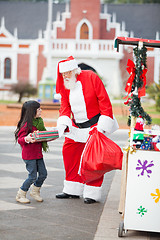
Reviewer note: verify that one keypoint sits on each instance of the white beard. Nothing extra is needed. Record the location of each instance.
(70, 83)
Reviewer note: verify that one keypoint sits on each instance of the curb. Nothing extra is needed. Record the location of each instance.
(109, 221)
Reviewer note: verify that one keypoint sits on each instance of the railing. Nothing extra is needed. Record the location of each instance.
(83, 47)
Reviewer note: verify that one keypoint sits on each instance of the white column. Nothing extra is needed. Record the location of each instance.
(33, 64)
(49, 42)
(1, 71)
(156, 65)
(156, 62)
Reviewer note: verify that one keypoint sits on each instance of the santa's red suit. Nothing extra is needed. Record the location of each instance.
(87, 101)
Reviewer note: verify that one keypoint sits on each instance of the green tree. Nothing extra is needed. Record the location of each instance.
(103, 1)
(154, 93)
(54, 1)
(131, 1)
(24, 90)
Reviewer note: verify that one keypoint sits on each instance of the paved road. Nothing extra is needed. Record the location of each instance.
(52, 219)
(56, 219)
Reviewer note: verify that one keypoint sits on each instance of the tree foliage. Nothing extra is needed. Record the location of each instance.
(131, 1)
(54, 1)
(154, 93)
(24, 90)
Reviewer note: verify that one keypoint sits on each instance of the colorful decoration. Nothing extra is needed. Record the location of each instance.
(147, 143)
(157, 146)
(156, 196)
(132, 71)
(128, 101)
(156, 143)
(129, 148)
(141, 211)
(144, 167)
(137, 144)
(142, 92)
(139, 124)
(138, 136)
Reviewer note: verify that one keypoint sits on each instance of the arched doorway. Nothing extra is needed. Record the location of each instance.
(84, 31)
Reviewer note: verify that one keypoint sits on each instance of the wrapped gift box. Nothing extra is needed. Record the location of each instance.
(41, 136)
(146, 145)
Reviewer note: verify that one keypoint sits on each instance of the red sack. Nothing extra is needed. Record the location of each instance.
(100, 155)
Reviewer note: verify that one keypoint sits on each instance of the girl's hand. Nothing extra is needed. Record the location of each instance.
(29, 138)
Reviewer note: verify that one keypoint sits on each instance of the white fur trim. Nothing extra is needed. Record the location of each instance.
(64, 120)
(115, 125)
(74, 188)
(78, 134)
(57, 96)
(107, 124)
(67, 66)
(92, 192)
(61, 128)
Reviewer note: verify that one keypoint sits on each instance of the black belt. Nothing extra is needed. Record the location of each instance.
(88, 123)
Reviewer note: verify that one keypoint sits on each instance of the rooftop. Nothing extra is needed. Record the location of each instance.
(30, 17)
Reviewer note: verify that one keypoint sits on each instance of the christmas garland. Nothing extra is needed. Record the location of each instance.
(141, 59)
(137, 110)
(136, 84)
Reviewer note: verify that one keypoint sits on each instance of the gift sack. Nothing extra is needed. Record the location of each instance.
(100, 155)
(45, 136)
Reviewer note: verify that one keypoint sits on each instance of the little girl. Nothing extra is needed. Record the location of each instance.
(29, 122)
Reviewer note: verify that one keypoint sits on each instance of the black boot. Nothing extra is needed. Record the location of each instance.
(65, 195)
(89, 200)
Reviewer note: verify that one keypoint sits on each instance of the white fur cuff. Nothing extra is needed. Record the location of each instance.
(64, 120)
(92, 192)
(74, 188)
(107, 124)
(67, 66)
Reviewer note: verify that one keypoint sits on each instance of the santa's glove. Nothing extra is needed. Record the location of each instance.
(61, 128)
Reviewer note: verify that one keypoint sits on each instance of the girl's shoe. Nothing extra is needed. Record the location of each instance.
(21, 196)
(35, 193)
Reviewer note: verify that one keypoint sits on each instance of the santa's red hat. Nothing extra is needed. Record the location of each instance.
(66, 65)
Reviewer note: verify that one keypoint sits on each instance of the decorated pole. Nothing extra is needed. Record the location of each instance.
(135, 86)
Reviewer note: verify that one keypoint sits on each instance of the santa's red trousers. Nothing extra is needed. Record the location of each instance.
(71, 156)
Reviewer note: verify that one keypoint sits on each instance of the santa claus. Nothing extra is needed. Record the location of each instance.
(84, 104)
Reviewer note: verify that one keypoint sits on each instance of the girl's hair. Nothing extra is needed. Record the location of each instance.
(28, 112)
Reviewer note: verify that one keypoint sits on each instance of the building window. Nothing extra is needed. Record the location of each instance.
(84, 32)
(7, 68)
